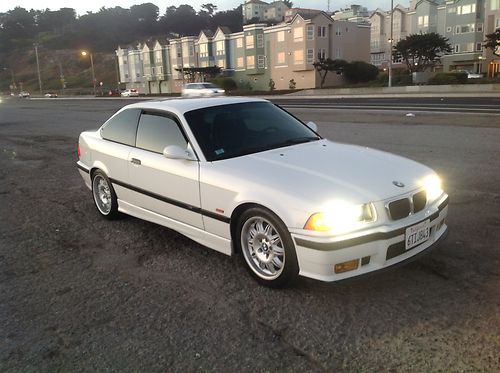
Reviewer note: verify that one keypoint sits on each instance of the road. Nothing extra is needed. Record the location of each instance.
(79, 293)
(476, 105)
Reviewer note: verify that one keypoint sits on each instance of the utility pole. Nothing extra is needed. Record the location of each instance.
(38, 68)
(61, 76)
(391, 41)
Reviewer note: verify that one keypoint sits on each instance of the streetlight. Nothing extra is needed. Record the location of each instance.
(84, 53)
(391, 40)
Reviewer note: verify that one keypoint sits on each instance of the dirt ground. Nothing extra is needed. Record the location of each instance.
(79, 293)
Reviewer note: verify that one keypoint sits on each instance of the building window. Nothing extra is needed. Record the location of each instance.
(298, 57)
(321, 54)
(298, 34)
(240, 62)
(480, 27)
(250, 62)
(219, 48)
(466, 9)
(448, 29)
(281, 36)
(321, 32)
(249, 41)
(281, 58)
(179, 51)
(239, 43)
(457, 48)
(423, 21)
(495, 5)
(452, 10)
(261, 62)
(338, 32)
(203, 50)
(479, 47)
(260, 41)
(310, 32)
(191, 50)
(310, 56)
(457, 29)
(338, 53)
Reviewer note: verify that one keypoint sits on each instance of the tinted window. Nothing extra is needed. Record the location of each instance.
(228, 131)
(155, 132)
(122, 127)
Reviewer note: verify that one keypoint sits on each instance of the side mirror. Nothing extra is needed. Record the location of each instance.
(312, 126)
(176, 152)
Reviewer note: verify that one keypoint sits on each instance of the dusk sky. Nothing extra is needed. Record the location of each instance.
(83, 6)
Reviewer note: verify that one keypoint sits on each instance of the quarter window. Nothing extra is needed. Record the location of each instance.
(122, 127)
(155, 132)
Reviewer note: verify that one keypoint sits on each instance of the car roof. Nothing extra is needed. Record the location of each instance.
(183, 105)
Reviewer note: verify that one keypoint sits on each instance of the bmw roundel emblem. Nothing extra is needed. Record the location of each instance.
(399, 184)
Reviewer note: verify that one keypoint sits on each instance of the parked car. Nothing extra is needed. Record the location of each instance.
(130, 93)
(470, 75)
(243, 175)
(51, 95)
(24, 94)
(202, 90)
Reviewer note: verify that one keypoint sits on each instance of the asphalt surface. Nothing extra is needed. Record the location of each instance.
(79, 293)
(476, 105)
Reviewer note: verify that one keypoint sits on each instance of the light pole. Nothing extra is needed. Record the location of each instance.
(84, 53)
(38, 68)
(390, 43)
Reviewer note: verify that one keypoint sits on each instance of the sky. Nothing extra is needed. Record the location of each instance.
(82, 7)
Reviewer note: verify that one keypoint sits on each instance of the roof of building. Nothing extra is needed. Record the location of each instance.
(255, 2)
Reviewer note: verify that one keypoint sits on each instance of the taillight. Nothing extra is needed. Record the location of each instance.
(79, 152)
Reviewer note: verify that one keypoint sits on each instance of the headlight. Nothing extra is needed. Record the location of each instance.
(340, 217)
(432, 185)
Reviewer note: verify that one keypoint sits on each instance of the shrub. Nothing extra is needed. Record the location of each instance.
(448, 78)
(360, 71)
(292, 84)
(224, 82)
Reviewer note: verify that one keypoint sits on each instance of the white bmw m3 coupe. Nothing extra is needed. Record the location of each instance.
(242, 175)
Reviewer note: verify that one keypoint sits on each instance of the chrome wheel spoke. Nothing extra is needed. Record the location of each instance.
(262, 247)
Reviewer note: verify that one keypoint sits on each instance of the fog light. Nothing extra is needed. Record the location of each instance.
(351, 265)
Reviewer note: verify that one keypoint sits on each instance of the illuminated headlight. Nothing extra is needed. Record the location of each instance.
(340, 217)
(432, 185)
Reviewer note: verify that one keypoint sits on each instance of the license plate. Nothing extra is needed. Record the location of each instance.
(417, 234)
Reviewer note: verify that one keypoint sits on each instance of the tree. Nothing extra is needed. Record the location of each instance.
(422, 51)
(493, 42)
(323, 67)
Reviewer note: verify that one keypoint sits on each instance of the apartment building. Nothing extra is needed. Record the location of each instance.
(490, 63)
(463, 22)
(283, 54)
(354, 13)
(260, 11)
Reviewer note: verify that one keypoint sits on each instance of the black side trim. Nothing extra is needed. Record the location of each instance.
(174, 202)
(364, 239)
(82, 168)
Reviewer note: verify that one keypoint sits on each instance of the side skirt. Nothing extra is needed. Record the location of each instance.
(204, 238)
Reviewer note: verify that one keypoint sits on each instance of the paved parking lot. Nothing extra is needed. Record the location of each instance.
(79, 293)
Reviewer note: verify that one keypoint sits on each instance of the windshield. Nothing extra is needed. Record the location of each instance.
(229, 131)
(209, 85)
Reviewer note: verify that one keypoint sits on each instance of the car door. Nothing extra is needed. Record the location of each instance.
(169, 187)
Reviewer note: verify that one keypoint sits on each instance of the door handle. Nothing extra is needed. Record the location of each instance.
(136, 161)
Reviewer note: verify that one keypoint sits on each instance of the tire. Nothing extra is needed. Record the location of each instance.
(267, 248)
(104, 195)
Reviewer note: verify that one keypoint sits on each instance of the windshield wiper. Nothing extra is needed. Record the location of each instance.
(298, 140)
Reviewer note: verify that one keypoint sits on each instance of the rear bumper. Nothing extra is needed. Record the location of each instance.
(374, 251)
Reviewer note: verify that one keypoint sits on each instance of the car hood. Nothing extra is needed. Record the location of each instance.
(323, 170)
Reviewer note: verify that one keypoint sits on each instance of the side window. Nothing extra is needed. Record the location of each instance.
(122, 127)
(155, 132)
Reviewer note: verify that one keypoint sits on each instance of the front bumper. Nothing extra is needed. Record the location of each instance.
(375, 249)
